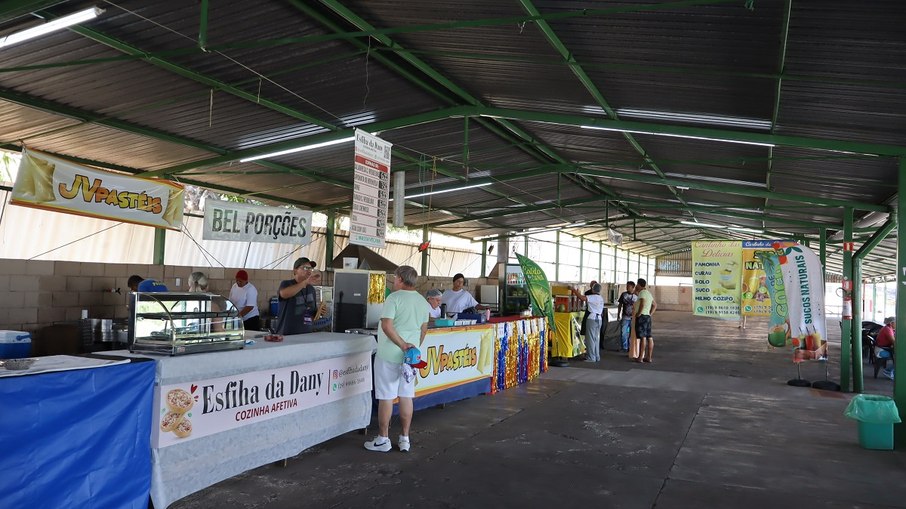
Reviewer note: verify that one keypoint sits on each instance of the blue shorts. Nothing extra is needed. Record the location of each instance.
(643, 326)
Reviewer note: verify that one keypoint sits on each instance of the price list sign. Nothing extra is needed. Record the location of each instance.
(371, 193)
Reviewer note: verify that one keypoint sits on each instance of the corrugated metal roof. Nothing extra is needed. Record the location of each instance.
(133, 90)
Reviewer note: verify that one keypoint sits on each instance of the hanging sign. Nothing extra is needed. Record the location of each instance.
(716, 275)
(371, 193)
(224, 220)
(52, 183)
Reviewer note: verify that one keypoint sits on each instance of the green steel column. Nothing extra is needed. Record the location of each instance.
(615, 263)
(484, 258)
(203, 25)
(822, 248)
(328, 242)
(160, 243)
(581, 259)
(856, 334)
(601, 261)
(638, 264)
(557, 259)
(424, 271)
(899, 384)
(846, 342)
(525, 245)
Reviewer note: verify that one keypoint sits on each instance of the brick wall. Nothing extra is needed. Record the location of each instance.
(35, 294)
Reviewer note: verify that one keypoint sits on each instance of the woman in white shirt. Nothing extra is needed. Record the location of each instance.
(433, 296)
(595, 305)
(458, 299)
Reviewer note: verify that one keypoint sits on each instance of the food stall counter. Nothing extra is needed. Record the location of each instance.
(264, 403)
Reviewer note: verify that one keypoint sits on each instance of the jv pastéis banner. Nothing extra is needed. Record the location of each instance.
(242, 222)
(199, 408)
(53, 183)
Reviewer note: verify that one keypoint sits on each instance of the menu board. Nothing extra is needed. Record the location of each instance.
(371, 192)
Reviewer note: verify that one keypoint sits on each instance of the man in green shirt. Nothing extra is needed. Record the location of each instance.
(644, 310)
(404, 322)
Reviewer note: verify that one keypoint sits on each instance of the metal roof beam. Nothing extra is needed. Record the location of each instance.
(706, 133)
(121, 125)
(448, 84)
(590, 86)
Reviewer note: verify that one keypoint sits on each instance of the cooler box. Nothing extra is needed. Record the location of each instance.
(14, 344)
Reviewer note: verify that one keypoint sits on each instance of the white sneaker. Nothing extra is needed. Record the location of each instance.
(404, 443)
(380, 444)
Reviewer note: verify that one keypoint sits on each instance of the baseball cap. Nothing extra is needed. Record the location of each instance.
(243, 275)
(414, 358)
(302, 260)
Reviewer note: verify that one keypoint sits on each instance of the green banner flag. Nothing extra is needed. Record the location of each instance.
(539, 289)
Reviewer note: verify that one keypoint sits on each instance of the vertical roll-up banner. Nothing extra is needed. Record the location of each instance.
(779, 319)
(803, 279)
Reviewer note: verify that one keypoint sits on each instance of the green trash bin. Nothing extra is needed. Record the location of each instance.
(876, 416)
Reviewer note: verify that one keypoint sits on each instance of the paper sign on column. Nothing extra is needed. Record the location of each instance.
(371, 193)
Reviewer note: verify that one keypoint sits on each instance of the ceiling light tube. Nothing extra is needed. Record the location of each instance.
(297, 149)
(446, 190)
(741, 229)
(51, 26)
(703, 225)
(672, 135)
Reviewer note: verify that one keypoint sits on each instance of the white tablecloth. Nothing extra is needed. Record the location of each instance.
(180, 470)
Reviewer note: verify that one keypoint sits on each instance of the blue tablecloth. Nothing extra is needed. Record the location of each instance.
(77, 438)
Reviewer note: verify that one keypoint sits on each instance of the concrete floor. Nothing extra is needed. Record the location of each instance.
(710, 424)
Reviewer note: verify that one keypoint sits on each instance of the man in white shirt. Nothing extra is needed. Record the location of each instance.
(458, 299)
(244, 296)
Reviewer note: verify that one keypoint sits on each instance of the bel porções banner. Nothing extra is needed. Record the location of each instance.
(241, 222)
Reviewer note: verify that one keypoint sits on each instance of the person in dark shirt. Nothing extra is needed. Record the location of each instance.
(298, 300)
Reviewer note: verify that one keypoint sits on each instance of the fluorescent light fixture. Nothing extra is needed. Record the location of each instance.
(703, 225)
(446, 190)
(741, 229)
(704, 178)
(696, 118)
(50, 26)
(672, 135)
(297, 149)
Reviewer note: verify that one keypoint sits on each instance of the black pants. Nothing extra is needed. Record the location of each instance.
(253, 323)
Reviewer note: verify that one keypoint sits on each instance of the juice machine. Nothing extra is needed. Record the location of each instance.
(358, 299)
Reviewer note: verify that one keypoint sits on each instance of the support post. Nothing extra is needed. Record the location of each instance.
(846, 340)
(329, 240)
(160, 244)
(484, 258)
(899, 383)
(203, 25)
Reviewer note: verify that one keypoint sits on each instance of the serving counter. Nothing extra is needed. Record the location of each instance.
(218, 414)
(76, 434)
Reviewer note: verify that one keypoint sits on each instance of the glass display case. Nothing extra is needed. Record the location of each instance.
(178, 323)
